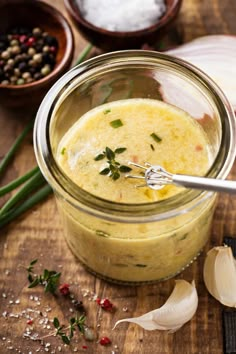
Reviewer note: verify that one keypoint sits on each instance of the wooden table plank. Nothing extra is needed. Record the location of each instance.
(38, 234)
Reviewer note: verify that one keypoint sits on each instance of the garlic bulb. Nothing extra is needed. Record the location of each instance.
(220, 275)
(178, 309)
(215, 55)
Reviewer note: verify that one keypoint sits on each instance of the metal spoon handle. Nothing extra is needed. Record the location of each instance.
(210, 184)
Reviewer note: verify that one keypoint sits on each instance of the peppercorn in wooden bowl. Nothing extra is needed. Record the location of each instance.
(36, 48)
(123, 24)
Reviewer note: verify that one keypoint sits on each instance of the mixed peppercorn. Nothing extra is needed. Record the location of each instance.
(26, 55)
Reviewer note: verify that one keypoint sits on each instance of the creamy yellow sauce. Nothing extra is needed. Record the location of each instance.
(182, 148)
(135, 252)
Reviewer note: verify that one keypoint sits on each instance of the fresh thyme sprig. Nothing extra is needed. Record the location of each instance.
(114, 167)
(49, 279)
(75, 322)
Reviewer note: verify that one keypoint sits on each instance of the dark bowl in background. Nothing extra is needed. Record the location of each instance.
(32, 13)
(110, 41)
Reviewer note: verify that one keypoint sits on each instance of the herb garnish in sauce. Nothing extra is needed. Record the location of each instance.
(116, 123)
(114, 168)
(156, 137)
(106, 111)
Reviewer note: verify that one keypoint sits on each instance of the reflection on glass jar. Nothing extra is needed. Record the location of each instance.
(134, 241)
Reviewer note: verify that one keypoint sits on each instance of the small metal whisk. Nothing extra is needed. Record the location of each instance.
(156, 177)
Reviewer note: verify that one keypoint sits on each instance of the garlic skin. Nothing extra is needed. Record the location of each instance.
(177, 310)
(219, 275)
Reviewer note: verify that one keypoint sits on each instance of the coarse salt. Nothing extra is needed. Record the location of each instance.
(120, 15)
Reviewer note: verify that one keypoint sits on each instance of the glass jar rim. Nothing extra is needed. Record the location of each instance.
(178, 204)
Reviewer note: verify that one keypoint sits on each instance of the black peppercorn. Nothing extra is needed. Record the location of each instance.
(22, 66)
(51, 41)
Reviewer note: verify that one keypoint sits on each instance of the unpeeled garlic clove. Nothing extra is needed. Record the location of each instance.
(178, 309)
(219, 274)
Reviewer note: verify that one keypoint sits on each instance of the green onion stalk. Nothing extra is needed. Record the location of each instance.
(26, 197)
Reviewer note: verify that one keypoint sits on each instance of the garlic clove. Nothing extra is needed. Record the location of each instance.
(220, 275)
(177, 310)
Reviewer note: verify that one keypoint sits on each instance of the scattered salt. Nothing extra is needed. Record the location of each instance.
(120, 15)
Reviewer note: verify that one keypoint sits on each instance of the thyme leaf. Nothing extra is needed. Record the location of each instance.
(114, 167)
(49, 279)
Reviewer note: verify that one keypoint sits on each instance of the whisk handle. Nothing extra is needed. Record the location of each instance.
(210, 184)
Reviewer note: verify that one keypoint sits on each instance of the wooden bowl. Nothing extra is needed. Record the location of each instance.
(109, 40)
(32, 14)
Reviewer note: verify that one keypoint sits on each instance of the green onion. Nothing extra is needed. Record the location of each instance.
(156, 137)
(28, 204)
(7, 158)
(17, 182)
(106, 111)
(116, 123)
(36, 181)
(63, 150)
(84, 54)
(152, 147)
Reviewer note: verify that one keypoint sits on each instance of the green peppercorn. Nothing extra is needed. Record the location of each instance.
(26, 75)
(5, 55)
(46, 49)
(37, 31)
(46, 69)
(11, 62)
(13, 79)
(29, 80)
(31, 51)
(15, 49)
(32, 63)
(37, 58)
(17, 72)
(14, 42)
(20, 82)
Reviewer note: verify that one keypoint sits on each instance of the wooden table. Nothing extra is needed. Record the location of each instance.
(38, 234)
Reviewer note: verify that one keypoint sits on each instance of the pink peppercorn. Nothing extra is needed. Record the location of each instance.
(64, 289)
(22, 38)
(30, 41)
(105, 304)
(84, 347)
(30, 322)
(105, 341)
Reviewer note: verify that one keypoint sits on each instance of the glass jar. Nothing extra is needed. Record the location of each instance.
(134, 243)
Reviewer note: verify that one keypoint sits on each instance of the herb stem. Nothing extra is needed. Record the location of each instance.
(17, 182)
(7, 158)
(84, 54)
(29, 203)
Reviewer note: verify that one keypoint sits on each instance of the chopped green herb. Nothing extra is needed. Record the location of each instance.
(106, 111)
(141, 265)
(63, 150)
(114, 168)
(116, 123)
(152, 147)
(156, 137)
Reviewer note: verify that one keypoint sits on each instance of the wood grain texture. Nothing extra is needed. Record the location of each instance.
(38, 234)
